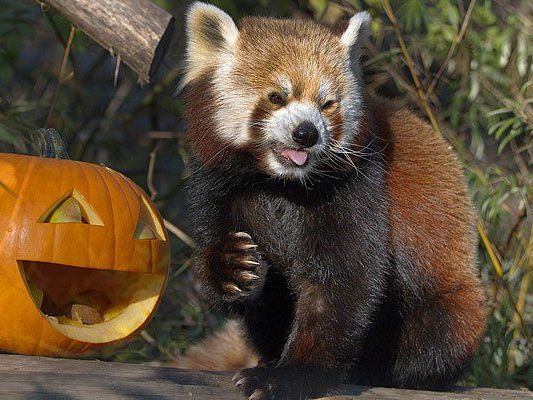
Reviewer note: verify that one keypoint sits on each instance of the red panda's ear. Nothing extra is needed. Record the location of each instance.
(211, 34)
(357, 32)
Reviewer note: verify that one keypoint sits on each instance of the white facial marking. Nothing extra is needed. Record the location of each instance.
(281, 124)
(235, 103)
(208, 50)
(325, 90)
(351, 109)
(285, 84)
(278, 131)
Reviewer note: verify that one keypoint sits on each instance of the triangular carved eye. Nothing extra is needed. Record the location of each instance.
(72, 209)
(148, 227)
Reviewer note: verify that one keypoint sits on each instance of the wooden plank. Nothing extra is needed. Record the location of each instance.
(368, 393)
(137, 30)
(25, 377)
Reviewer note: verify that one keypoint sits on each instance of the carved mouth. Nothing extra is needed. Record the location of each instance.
(92, 305)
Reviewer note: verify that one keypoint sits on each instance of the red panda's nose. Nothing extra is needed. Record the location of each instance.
(305, 134)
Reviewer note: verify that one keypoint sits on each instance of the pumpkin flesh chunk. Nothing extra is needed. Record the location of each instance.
(92, 305)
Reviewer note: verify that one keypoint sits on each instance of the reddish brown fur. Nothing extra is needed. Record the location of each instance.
(203, 138)
(312, 346)
(306, 55)
(425, 172)
(336, 121)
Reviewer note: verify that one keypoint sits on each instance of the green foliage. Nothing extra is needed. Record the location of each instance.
(15, 25)
(13, 124)
(478, 82)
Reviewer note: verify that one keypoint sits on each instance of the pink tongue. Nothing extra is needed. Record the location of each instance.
(297, 157)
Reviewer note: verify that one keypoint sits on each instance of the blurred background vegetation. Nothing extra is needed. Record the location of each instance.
(465, 66)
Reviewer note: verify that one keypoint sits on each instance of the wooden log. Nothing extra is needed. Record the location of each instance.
(41, 378)
(136, 30)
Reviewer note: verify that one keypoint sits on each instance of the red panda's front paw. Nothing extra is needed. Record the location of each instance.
(241, 273)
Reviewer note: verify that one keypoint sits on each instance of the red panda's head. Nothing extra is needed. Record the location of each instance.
(287, 92)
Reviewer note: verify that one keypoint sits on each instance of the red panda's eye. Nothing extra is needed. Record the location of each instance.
(328, 105)
(277, 98)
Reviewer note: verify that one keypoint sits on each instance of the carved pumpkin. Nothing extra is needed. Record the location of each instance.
(84, 256)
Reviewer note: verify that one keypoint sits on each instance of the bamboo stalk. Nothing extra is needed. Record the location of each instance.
(412, 68)
(458, 38)
(61, 78)
(180, 234)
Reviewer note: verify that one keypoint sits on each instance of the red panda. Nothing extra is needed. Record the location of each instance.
(335, 226)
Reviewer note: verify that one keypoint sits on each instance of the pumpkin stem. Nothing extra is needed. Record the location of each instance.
(49, 143)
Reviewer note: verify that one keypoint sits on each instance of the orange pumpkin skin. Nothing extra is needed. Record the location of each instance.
(29, 188)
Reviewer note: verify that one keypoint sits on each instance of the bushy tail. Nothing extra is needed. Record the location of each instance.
(226, 350)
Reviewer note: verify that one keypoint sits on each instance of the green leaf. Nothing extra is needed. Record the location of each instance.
(412, 14)
(497, 127)
(498, 111)
(514, 133)
(504, 127)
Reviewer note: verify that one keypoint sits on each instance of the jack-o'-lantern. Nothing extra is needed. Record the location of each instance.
(84, 256)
